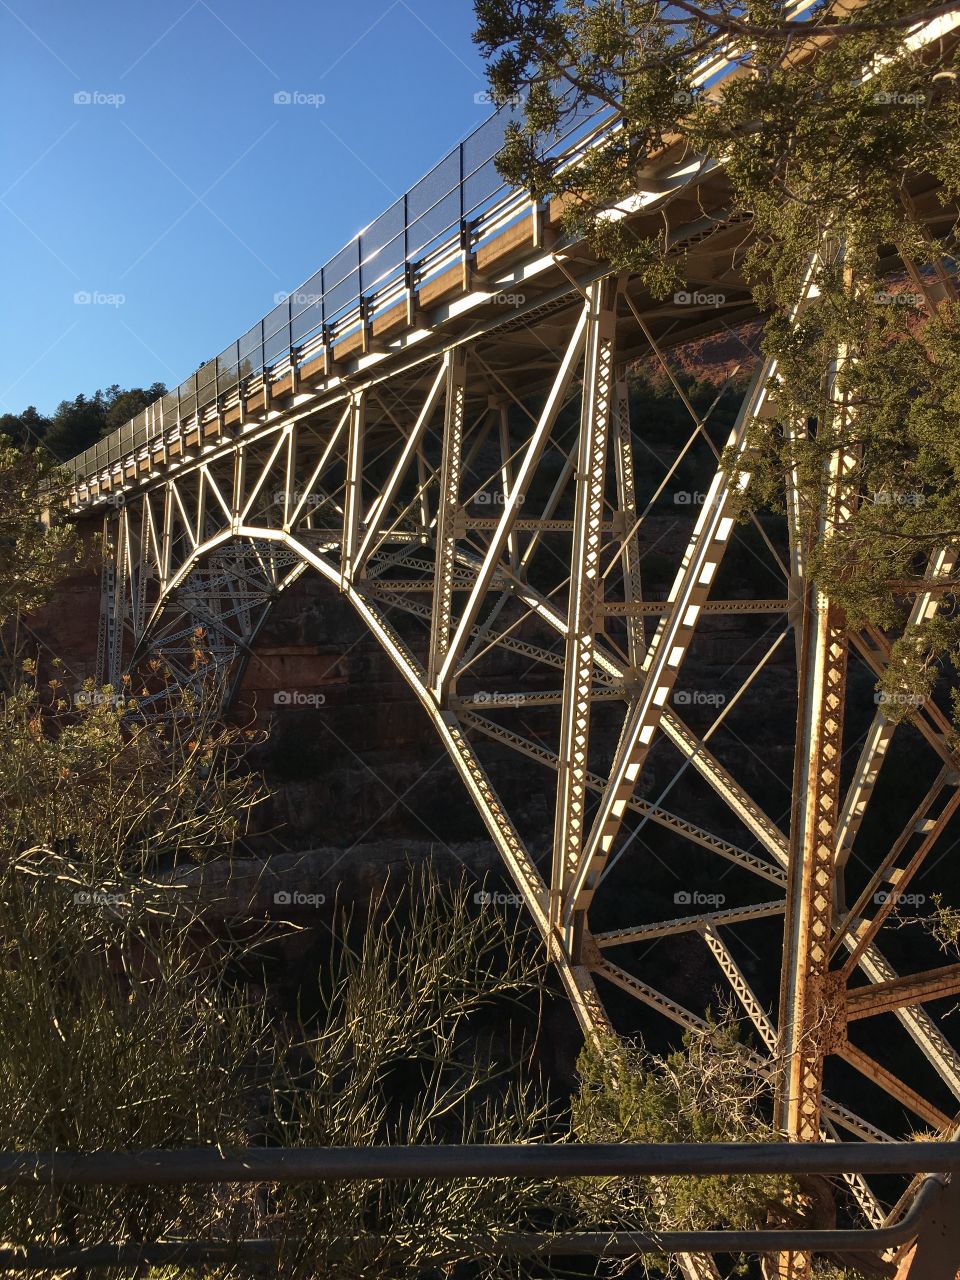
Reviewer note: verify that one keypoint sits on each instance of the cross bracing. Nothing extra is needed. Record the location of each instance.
(554, 575)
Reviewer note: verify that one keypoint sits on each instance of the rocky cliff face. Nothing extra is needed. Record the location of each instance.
(67, 628)
(350, 755)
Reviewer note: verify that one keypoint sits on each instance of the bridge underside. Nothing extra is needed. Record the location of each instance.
(556, 572)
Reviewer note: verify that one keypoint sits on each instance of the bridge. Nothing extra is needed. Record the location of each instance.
(438, 423)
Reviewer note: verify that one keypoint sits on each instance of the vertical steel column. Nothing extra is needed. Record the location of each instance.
(239, 485)
(813, 842)
(423, 489)
(353, 496)
(290, 472)
(118, 604)
(448, 506)
(506, 474)
(107, 604)
(797, 543)
(627, 513)
(806, 1029)
(166, 545)
(200, 478)
(585, 595)
(143, 570)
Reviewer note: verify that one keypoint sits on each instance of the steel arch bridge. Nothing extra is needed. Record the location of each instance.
(455, 453)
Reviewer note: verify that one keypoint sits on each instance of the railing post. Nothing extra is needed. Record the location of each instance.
(410, 287)
(327, 339)
(460, 184)
(364, 324)
(323, 299)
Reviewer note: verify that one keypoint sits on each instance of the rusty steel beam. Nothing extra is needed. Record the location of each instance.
(915, 988)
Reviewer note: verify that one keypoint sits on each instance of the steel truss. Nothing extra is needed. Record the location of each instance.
(523, 546)
(529, 624)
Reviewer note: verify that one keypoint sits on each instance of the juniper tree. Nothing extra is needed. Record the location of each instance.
(36, 544)
(828, 117)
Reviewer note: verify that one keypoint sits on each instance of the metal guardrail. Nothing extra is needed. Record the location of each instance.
(407, 243)
(528, 1160)
(460, 201)
(934, 1204)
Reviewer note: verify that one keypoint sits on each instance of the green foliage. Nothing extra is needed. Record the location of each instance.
(112, 1041)
(78, 423)
(24, 430)
(122, 1026)
(123, 1032)
(35, 546)
(116, 796)
(815, 156)
(124, 405)
(944, 924)
(393, 1058)
(708, 1091)
(75, 425)
(129, 1022)
(825, 1270)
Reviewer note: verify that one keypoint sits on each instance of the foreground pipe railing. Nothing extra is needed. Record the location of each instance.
(573, 1160)
(252, 1165)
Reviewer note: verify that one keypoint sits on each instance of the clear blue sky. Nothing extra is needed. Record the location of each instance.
(197, 198)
